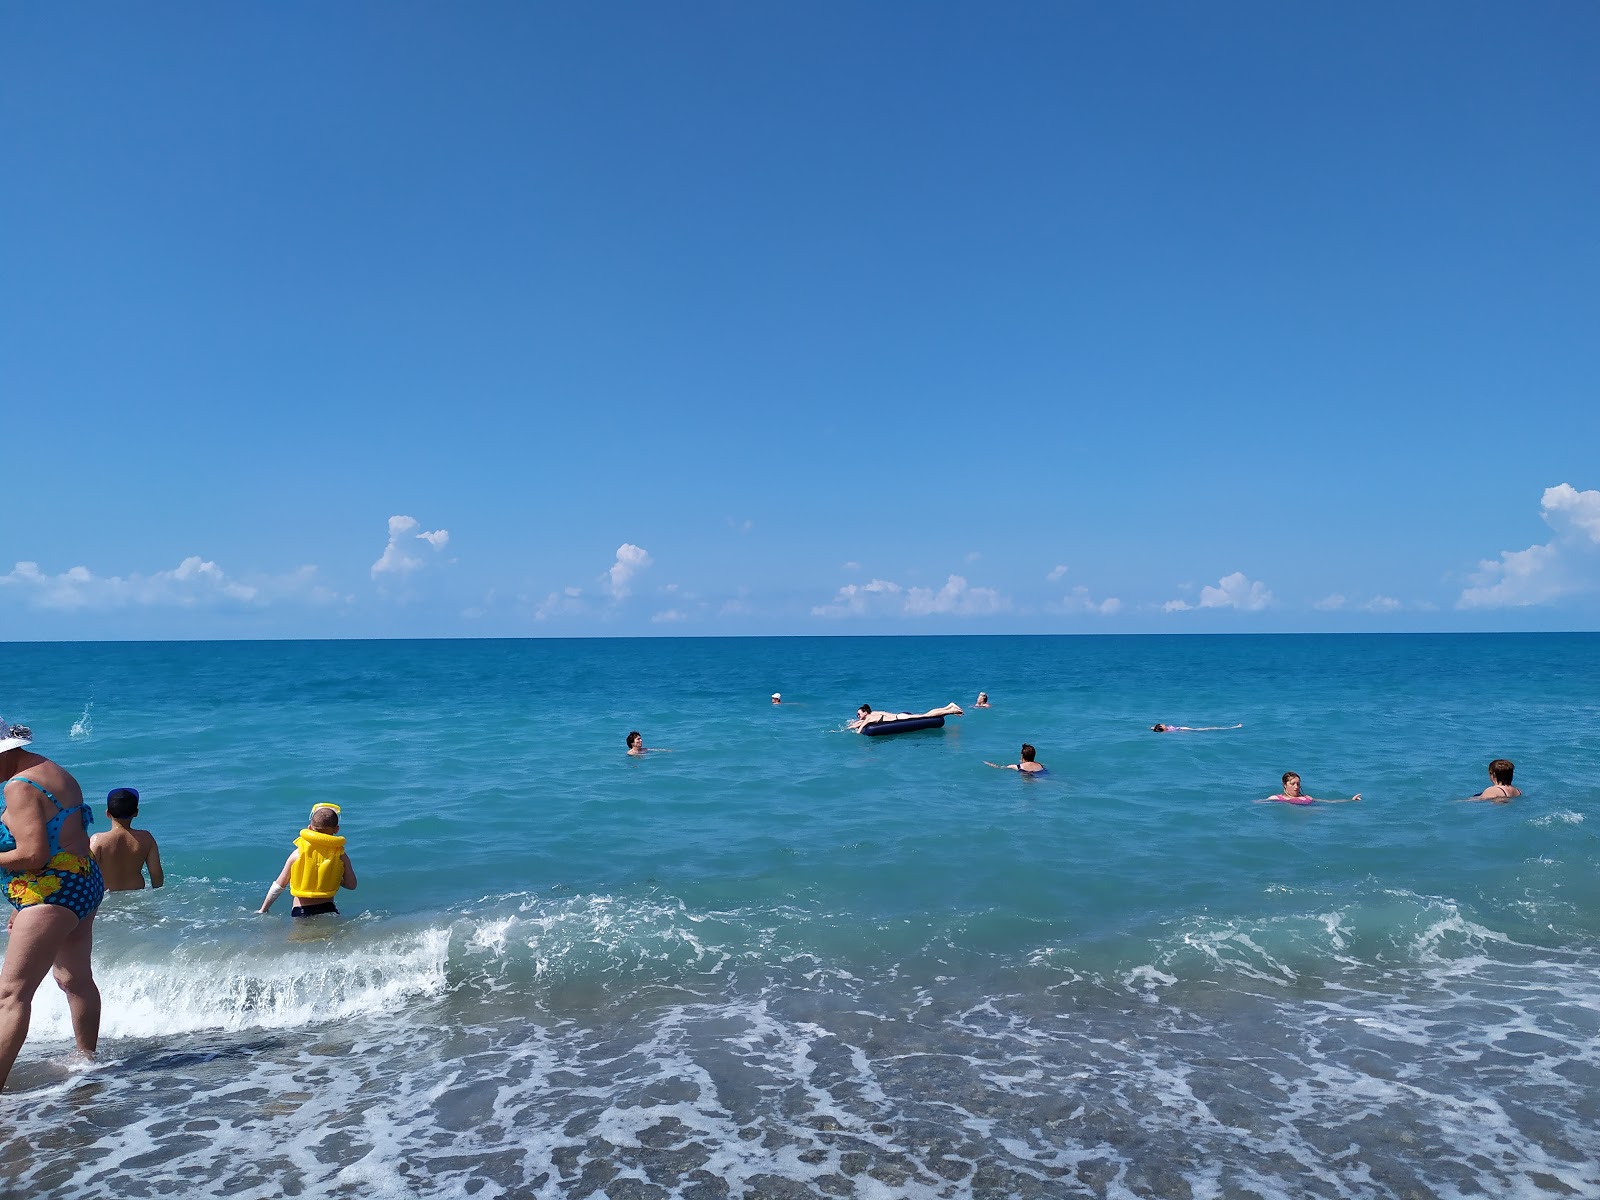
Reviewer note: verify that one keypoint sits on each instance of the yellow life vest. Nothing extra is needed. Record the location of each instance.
(318, 872)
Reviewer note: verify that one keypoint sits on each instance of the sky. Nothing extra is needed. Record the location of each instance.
(633, 319)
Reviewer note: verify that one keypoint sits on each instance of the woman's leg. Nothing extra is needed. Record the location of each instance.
(37, 934)
(75, 976)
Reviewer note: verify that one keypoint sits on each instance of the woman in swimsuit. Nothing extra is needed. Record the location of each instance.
(55, 888)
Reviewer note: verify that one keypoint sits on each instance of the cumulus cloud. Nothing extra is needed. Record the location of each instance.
(193, 583)
(1235, 591)
(631, 560)
(401, 557)
(1056, 572)
(1383, 604)
(882, 597)
(1079, 601)
(1331, 603)
(670, 616)
(1568, 564)
(1231, 591)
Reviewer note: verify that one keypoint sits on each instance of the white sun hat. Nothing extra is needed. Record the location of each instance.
(12, 736)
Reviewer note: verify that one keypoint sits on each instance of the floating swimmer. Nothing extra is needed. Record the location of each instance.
(1291, 794)
(1159, 728)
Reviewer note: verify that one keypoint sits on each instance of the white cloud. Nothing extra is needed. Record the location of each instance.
(1330, 603)
(400, 556)
(852, 566)
(671, 615)
(1566, 565)
(1176, 606)
(882, 597)
(1383, 604)
(1079, 601)
(566, 603)
(974, 555)
(1056, 572)
(1235, 591)
(744, 526)
(193, 583)
(631, 560)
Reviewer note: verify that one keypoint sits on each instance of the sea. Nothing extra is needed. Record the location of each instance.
(773, 958)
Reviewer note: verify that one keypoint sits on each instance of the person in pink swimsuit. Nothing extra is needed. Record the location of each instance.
(1292, 794)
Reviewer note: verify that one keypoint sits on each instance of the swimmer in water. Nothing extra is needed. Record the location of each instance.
(1500, 791)
(638, 749)
(867, 715)
(1027, 766)
(777, 697)
(1291, 794)
(1158, 728)
(982, 701)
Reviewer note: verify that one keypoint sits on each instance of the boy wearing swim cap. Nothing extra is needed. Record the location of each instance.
(316, 869)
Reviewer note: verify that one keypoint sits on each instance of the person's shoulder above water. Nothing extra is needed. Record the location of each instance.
(1027, 763)
(1500, 791)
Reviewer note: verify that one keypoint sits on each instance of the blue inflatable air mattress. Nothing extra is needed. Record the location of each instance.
(907, 725)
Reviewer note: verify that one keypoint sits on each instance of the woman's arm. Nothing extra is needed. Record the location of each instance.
(24, 814)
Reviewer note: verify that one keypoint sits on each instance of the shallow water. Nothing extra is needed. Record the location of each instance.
(785, 960)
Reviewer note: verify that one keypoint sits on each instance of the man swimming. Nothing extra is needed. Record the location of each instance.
(1159, 728)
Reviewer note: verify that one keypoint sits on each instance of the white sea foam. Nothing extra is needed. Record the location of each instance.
(83, 727)
(186, 994)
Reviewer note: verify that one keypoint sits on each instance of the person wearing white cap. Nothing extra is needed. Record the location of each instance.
(55, 887)
(777, 697)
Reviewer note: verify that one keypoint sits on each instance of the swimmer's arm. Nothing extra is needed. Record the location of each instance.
(1340, 799)
(1002, 766)
(153, 863)
(349, 880)
(278, 884)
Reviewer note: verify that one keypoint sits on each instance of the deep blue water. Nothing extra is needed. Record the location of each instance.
(780, 954)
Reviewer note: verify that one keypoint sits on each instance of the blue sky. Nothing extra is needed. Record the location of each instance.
(628, 319)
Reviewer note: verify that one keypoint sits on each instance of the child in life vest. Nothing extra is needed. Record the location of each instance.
(317, 868)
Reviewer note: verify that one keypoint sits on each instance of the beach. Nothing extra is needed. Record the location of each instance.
(774, 958)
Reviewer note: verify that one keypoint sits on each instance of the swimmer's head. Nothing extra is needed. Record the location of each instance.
(983, 697)
(777, 697)
(1290, 778)
(1500, 770)
(635, 740)
(325, 818)
(1158, 729)
(863, 710)
(122, 804)
(1028, 752)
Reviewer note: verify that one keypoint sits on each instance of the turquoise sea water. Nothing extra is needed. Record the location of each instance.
(785, 960)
